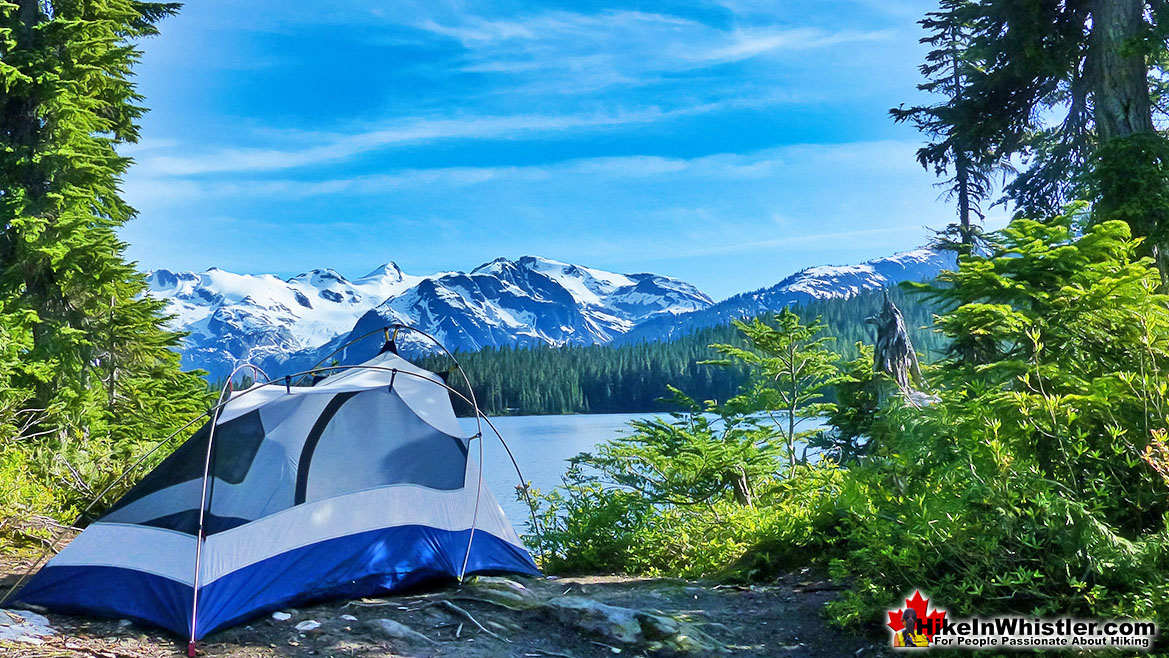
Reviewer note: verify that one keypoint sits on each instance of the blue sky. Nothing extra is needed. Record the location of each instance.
(727, 143)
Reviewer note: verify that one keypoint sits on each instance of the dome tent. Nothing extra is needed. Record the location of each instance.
(359, 485)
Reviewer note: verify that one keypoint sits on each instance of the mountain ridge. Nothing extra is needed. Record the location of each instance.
(812, 283)
(286, 325)
(281, 323)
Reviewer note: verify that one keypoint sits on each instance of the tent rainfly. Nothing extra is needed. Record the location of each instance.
(359, 485)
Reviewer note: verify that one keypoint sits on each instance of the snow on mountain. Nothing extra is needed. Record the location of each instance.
(289, 325)
(822, 282)
(530, 301)
(233, 318)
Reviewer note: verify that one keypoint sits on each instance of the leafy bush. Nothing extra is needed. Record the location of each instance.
(1035, 484)
(688, 495)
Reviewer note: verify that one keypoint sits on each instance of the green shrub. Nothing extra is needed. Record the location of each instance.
(1036, 483)
(693, 495)
(1032, 486)
(589, 527)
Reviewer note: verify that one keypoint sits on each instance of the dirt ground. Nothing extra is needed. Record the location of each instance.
(779, 619)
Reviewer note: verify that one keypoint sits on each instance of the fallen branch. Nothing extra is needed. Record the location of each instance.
(501, 604)
(544, 652)
(371, 604)
(456, 609)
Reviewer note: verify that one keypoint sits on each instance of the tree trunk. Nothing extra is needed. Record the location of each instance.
(742, 487)
(19, 114)
(1119, 71)
(893, 354)
(791, 415)
(1120, 93)
(962, 168)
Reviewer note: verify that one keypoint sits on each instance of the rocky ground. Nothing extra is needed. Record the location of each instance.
(581, 617)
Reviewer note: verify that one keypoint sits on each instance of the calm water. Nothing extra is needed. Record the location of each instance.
(541, 445)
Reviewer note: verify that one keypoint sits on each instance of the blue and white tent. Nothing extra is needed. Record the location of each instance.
(359, 485)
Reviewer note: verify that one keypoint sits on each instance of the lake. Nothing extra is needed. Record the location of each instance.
(542, 446)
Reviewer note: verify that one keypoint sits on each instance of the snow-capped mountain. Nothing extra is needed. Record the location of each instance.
(286, 325)
(823, 282)
(236, 317)
(289, 325)
(526, 302)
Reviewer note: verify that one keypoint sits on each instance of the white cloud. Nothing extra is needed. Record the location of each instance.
(804, 239)
(886, 157)
(323, 148)
(748, 43)
(570, 52)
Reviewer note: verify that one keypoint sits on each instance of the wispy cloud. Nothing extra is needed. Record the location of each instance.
(569, 52)
(324, 148)
(889, 157)
(535, 54)
(748, 43)
(827, 237)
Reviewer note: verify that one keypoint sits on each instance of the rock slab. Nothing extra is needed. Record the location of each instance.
(24, 626)
(627, 626)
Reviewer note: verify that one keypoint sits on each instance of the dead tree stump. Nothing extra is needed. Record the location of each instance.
(894, 354)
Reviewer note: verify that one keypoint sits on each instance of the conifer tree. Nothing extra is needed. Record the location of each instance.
(94, 352)
(791, 367)
(948, 70)
(1068, 89)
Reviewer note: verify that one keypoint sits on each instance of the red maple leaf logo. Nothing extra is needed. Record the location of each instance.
(930, 624)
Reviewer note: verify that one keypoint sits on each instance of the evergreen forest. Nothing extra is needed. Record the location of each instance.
(637, 377)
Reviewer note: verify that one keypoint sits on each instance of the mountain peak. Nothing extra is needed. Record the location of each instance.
(389, 270)
(162, 279)
(320, 276)
(529, 260)
(812, 283)
(495, 266)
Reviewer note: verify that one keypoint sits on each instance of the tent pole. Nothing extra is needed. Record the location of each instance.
(199, 533)
(201, 536)
(523, 485)
(475, 516)
(478, 433)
